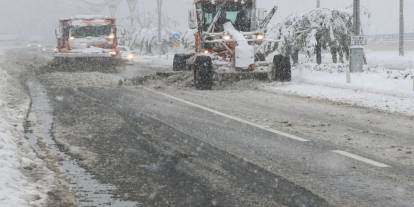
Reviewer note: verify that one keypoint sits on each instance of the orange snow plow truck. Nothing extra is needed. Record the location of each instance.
(89, 41)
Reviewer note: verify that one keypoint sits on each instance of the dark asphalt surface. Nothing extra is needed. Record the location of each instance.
(161, 152)
(156, 164)
(344, 181)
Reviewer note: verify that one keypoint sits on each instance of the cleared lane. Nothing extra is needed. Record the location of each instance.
(344, 181)
(284, 134)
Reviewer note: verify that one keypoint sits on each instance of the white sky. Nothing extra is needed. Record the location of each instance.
(39, 17)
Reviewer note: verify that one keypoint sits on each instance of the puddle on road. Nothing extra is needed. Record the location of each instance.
(89, 191)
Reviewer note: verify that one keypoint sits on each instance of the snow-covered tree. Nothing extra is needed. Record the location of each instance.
(313, 31)
(144, 34)
(141, 28)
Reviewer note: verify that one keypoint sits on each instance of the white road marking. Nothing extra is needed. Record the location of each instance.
(360, 158)
(284, 134)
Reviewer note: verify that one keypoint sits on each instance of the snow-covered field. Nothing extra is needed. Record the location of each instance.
(16, 157)
(390, 59)
(386, 84)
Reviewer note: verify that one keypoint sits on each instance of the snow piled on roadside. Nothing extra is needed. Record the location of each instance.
(403, 105)
(374, 80)
(378, 87)
(16, 189)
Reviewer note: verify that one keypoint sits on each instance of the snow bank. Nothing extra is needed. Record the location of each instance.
(389, 103)
(15, 188)
(375, 80)
(386, 84)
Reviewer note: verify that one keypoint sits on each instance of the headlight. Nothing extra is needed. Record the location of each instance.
(71, 38)
(259, 37)
(206, 52)
(112, 53)
(226, 37)
(130, 56)
(111, 36)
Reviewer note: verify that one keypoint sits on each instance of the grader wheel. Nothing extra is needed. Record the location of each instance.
(203, 73)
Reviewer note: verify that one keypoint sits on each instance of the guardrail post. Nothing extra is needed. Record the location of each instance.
(348, 75)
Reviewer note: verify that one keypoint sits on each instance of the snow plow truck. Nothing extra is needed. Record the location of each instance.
(87, 41)
(229, 36)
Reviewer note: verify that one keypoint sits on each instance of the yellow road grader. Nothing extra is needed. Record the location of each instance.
(229, 35)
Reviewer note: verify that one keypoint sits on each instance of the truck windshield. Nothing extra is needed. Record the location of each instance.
(91, 31)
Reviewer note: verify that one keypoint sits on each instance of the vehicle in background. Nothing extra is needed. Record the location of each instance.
(34, 45)
(127, 54)
(228, 40)
(87, 39)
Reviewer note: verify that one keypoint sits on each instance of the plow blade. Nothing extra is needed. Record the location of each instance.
(102, 64)
(238, 76)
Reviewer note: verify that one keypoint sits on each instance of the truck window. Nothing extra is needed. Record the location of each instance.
(91, 31)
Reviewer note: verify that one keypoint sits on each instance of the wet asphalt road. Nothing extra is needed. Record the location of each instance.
(161, 152)
(158, 165)
(152, 163)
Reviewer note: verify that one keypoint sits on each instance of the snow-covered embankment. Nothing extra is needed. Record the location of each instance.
(379, 86)
(16, 157)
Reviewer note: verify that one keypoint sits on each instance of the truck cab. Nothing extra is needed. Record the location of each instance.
(87, 37)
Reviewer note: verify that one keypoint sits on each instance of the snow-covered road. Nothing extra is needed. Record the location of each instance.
(361, 153)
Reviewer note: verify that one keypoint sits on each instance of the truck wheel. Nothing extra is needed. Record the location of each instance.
(282, 69)
(180, 62)
(203, 73)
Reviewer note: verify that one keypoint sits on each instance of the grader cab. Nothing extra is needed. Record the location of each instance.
(228, 39)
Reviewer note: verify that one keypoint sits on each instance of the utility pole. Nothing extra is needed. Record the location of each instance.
(132, 5)
(401, 27)
(318, 4)
(357, 50)
(357, 17)
(159, 10)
